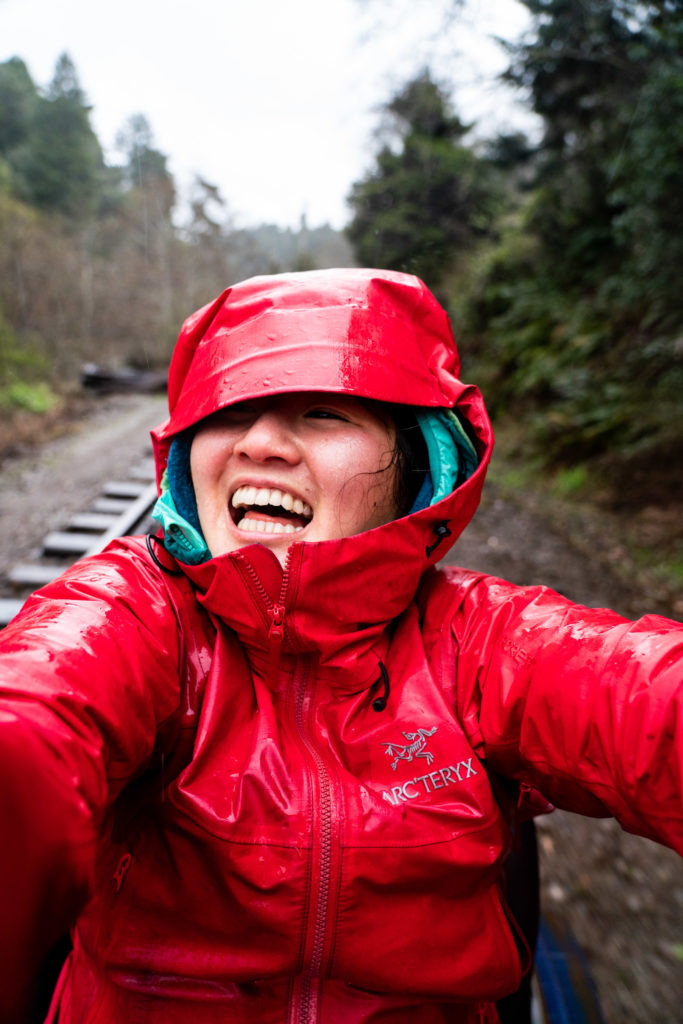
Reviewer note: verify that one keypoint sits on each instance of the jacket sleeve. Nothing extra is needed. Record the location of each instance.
(579, 703)
(88, 671)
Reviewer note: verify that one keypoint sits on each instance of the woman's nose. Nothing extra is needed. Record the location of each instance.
(268, 436)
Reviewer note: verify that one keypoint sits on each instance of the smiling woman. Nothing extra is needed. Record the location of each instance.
(272, 764)
(302, 466)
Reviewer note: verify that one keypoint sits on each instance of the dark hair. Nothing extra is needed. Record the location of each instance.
(410, 457)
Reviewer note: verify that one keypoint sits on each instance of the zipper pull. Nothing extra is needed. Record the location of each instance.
(121, 871)
(276, 634)
(487, 1014)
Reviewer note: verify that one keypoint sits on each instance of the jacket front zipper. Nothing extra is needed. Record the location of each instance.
(276, 632)
(304, 1009)
(273, 614)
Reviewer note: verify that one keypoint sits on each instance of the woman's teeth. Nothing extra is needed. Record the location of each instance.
(254, 499)
(249, 496)
(266, 526)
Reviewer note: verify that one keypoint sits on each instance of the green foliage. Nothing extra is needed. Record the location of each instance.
(19, 356)
(575, 310)
(429, 197)
(585, 382)
(18, 100)
(647, 192)
(21, 368)
(36, 398)
(58, 165)
(606, 77)
(5, 178)
(422, 108)
(570, 480)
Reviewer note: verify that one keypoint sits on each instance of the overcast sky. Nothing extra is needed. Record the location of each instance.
(273, 101)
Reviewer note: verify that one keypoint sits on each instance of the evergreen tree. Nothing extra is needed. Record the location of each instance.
(147, 240)
(429, 196)
(646, 185)
(586, 68)
(62, 163)
(18, 99)
(145, 165)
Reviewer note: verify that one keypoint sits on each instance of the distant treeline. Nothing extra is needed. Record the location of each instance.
(93, 264)
(560, 257)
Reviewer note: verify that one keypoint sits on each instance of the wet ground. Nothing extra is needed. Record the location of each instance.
(41, 487)
(623, 896)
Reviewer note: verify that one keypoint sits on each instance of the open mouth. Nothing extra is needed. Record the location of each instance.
(269, 510)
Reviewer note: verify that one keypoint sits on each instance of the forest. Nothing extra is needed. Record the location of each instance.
(558, 256)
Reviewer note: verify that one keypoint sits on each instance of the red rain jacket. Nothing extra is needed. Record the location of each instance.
(198, 757)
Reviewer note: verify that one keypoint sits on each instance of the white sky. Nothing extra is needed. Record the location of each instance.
(274, 101)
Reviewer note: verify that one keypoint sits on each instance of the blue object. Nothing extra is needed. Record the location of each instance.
(567, 988)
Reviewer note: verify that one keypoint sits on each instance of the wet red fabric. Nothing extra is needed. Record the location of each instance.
(376, 334)
(200, 753)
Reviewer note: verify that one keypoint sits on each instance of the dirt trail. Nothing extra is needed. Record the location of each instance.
(41, 488)
(623, 896)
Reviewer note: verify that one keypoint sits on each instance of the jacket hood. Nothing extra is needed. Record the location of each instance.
(369, 333)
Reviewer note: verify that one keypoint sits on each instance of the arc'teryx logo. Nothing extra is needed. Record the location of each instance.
(416, 748)
(440, 778)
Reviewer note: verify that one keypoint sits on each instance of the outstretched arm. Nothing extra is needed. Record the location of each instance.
(88, 670)
(580, 703)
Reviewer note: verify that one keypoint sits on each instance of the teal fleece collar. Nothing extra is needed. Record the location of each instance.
(452, 458)
(181, 539)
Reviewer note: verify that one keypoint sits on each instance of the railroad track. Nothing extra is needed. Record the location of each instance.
(121, 507)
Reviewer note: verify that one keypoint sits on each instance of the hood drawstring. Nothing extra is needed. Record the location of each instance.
(380, 703)
(164, 568)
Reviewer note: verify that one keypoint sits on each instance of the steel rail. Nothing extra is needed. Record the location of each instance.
(119, 508)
